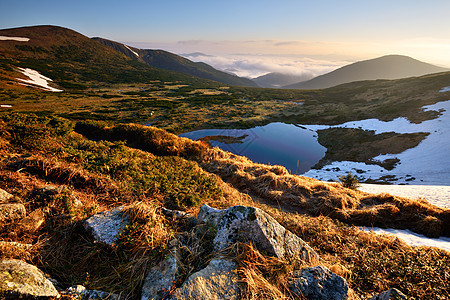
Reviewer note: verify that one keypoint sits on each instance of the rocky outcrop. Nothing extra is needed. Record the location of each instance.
(319, 283)
(250, 224)
(107, 226)
(216, 281)
(21, 280)
(391, 294)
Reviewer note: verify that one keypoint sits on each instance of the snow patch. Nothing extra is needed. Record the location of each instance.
(445, 89)
(435, 194)
(412, 238)
(428, 163)
(37, 79)
(5, 106)
(132, 50)
(13, 38)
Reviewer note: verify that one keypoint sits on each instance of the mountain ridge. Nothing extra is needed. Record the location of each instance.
(169, 61)
(277, 80)
(70, 58)
(384, 67)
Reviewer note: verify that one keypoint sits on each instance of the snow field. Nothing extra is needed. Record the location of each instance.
(37, 79)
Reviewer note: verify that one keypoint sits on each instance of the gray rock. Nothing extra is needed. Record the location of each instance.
(210, 215)
(5, 197)
(12, 211)
(160, 280)
(178, 214)
(107, 226)
(216, 281)
(22, 280)
(243, 223)
(391, 294)
(319, 283)
(54, 190)
(85, 294)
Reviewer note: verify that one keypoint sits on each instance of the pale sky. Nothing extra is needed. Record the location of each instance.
(335, 31)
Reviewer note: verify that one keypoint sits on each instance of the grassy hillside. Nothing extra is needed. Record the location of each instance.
(73, 60)
(168, 61)
(178, 173)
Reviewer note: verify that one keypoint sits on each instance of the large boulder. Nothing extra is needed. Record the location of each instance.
(160, 280)
(19, 279)
(12, 211)
(318, 283)
(250, 224)
(391, 294)
(217, 281)
(107, 226)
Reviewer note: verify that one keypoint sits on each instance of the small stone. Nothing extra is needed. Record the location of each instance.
(12, 211)
(33, 221)
(391, 294)
(54, 190)
(217, 281)
(319, 283)
(22, 280)
(107, 226)
(5, 197)
(81, 291)
(77, 203)
(15, 245)
(174, 213)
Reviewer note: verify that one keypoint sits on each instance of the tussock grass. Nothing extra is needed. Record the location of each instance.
(306, 195)
(262, 277)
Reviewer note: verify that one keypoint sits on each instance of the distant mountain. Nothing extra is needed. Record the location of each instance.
(277, 80)
(385, 67)
(72, 59)
(196, 54)
(169, 61)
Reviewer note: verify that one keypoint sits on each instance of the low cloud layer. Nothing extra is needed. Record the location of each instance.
(251, 66)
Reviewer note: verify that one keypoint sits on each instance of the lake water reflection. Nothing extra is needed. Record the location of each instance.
(288, 145)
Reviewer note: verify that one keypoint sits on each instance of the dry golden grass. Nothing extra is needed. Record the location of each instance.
(261, 277)
(274, 184)
(370, 263)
